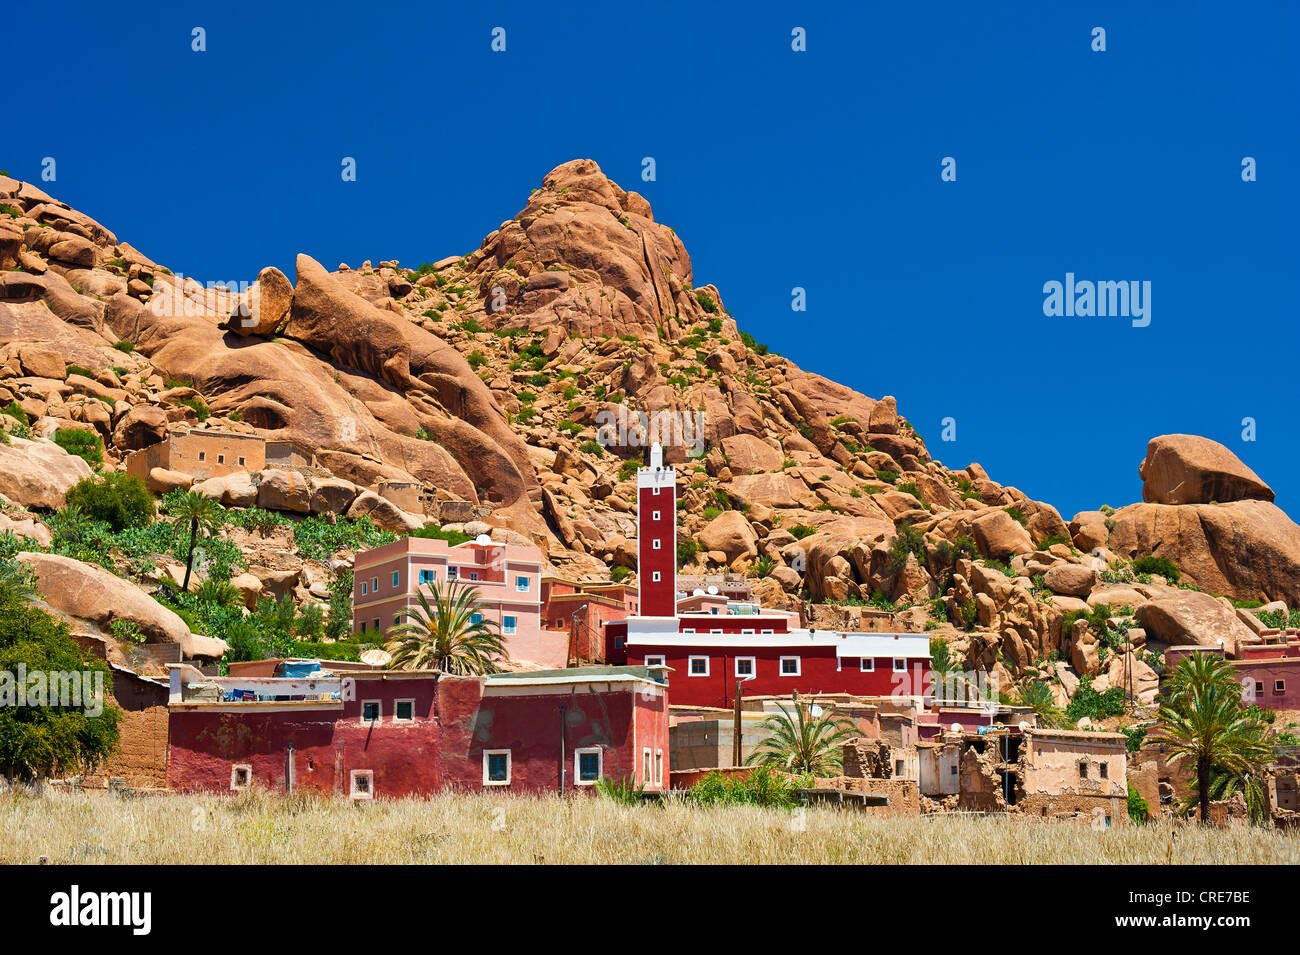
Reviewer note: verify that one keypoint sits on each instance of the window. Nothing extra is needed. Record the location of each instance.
(362, 784)
(374, 585)
(954, 770)
(789, 666)
(587, 763)
(428, 577)
(473, 575)
(769, 631)
(688, 629)
(363, 626)
(376, 623)
(507, 624)
(659, 767)
(747, 631)
(403, 711)
(1104, 770)
(522, 584)
(900, 665)
(867, 665)
(898, 767)
(242, 462)
(241, 776)
(1279, 686)
(719, 630)
(656, 515)
(397, 576)
(647, 766)
(698, 666)
(496, 767)
(363, 588)
(654, 660)
(221, 459)
(1083, 770)
(453, 573)
(744, 666)
(203, 455)
(655, 578)
(397, 619)
(476, 618)
(371, 711)
(655, 491)
(654, 544)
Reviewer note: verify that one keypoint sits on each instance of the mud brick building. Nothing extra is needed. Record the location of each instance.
(200, 453)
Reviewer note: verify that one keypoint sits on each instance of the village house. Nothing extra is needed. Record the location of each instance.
(507, 577)
(201, 453)
(1268, 670)
(390, 733)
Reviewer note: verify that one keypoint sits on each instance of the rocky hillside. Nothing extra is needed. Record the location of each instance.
(487, 377)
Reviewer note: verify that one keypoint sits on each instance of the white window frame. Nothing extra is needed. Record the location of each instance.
(242, 462)
(353, 791)
(769, 631)
(379, 717)
(753, 666)
(398, 719)
(690, 664)
(688, 629)
(509, 767)
(655, 543)
(363, 588)
(656, 516)
(719, 630)
(659, 767)
(747, 631)
(655, 577)
(1279, 687)
(509, 625)
(453, 573)
(221, 459)
(897, 661)
(235, 770)
(523, 583)
(655, 660)
(431, 578)
(654, 491)
(866, 664)
(798, 666)
(577, 764)
(647, 766)
(374, 585)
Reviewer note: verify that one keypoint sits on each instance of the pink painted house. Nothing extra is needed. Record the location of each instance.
(508, 578)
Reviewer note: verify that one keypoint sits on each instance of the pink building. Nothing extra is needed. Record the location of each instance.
(1269, 671)
(508, 578)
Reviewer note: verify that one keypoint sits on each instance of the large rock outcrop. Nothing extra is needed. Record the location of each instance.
(1189, 469)
(39, 473)
(1195, 619)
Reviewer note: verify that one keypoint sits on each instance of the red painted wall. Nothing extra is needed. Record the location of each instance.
(819, 673)
(657, 599)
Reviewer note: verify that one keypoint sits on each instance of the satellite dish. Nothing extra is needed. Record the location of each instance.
(816, 710)
(956, 727)
(376, 657)
(1023, 726)
(483, 540)
(713, 590)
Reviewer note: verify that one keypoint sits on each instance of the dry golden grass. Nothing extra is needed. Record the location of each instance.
(499, 828)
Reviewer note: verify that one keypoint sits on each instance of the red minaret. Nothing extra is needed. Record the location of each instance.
(656, 522)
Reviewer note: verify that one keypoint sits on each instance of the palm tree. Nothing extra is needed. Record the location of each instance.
(1202, 719)
(441, 633)
(1038, 696)
(202, 513)
(799, 742)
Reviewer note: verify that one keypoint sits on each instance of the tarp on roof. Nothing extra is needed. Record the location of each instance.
(298, 669)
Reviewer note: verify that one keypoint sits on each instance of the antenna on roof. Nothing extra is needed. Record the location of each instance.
(713, 588)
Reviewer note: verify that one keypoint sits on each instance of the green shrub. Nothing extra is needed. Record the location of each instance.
(1157, 565)
(907, 541)
(687, 551)
(762, 787)
(1096, 706)
(626, 791)
(87, 445)
(15, 411)
(706, 302)
(198, 406)
(1138, 810)
(120, 500)
(800, 531)
(619, 573)
(434, 532)
(889, 477)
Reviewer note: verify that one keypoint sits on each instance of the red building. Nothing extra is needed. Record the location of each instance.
(371, 734)
(711, 642)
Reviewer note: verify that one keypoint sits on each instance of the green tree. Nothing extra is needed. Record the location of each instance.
(118, 499)
(219, 593)
(338, 624)
(943, 670)
(40, 741)
(1202, 720)
(799, 742)
(202, 514)
(441, 632)
(1038, 696)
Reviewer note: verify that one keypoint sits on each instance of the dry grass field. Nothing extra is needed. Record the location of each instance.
(500, 828)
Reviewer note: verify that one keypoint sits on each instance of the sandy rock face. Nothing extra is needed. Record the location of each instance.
(97, 597)
(1193, 618)
(39, 473)
(1189, 469)
(264, 309)
(1248, 550)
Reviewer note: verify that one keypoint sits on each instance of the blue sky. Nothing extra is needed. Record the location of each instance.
(778, 169)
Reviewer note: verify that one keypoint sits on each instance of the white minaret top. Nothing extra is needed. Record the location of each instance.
(656, 475)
